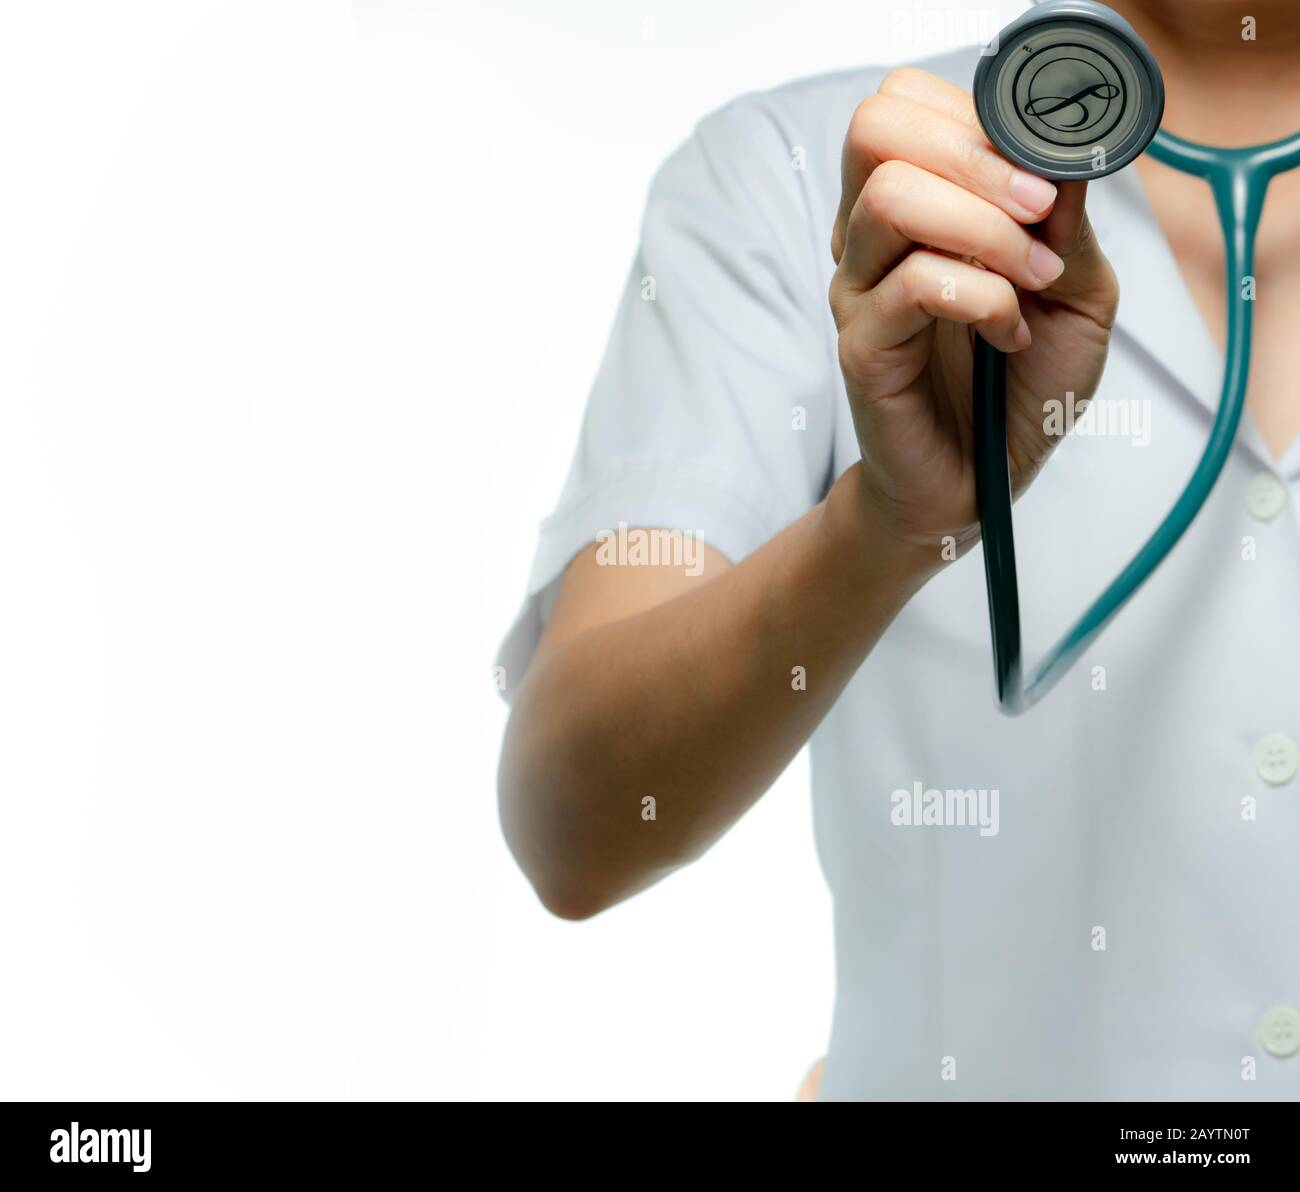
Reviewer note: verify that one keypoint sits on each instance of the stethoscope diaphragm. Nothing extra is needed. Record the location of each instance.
(1069, 91)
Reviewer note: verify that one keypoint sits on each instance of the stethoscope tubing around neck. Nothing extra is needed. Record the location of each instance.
(1239, 179)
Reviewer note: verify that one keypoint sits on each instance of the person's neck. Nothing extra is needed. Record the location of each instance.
(1222, 88)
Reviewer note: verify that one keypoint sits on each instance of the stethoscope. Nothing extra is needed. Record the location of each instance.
(1069, 91)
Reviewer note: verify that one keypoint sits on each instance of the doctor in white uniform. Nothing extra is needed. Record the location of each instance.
(1099, 899)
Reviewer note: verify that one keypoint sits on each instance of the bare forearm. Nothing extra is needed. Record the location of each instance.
(698, 703)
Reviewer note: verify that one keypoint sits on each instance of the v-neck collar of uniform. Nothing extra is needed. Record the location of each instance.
(1156, 311)
(1289, 464)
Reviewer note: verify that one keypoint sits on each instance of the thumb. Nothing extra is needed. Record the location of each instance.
(1088, 282)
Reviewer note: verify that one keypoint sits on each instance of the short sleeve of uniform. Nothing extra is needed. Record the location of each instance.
(711, 410)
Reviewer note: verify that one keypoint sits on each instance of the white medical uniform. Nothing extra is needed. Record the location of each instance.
(1132, 930)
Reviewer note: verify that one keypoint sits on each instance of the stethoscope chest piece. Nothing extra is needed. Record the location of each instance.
(1069, 91)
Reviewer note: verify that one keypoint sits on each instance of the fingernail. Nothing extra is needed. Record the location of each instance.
(1044, 264)
(1034, 194)
(1022, 338)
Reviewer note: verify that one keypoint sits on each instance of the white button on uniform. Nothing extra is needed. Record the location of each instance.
(1279, 1031)
(1276, 758)
(1265, 496)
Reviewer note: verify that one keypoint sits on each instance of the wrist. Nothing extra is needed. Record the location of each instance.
(870, 542)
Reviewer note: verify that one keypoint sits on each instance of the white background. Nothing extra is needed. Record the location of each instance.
(300, 305)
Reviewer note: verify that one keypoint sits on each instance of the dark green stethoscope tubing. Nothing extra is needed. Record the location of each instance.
(1239, 179)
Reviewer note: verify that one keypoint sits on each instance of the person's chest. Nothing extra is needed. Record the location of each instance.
(1184, 207)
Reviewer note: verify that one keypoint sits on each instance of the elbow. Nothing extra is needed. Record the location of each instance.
(564, 884)
(572, 873)
(575, 888)
(568, 901)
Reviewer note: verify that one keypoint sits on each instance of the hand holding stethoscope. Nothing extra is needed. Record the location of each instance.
(939, 235)
(933, 241)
